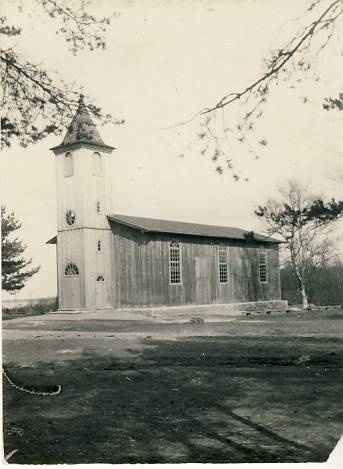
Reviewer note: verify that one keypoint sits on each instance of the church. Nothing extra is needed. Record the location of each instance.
(109, 260)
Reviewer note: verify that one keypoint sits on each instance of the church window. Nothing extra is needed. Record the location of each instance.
(68, 165)
(70, 217)
(99, 246)
(174, 263)
(98, 207)
(222, 264)
(263, 267)
(97, 164)
(100, 278)
(71, 269)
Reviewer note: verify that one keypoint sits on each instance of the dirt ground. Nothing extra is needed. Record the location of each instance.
(245, 389)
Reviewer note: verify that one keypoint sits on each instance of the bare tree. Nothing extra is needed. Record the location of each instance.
(307, 239)
(221, 130)
(33, 103)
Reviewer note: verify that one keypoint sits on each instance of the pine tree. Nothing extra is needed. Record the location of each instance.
(14, 266)
(304, 224)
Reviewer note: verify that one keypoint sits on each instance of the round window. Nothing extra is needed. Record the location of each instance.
(70, 217)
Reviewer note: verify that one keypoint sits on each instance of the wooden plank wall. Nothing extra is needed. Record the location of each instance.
(140, 265)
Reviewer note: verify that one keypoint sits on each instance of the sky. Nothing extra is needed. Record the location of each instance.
(165, 61)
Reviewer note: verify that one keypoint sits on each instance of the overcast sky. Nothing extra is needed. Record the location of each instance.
(164, 62)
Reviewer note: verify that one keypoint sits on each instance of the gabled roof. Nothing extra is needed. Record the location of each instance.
(179, 227)
(82, 131)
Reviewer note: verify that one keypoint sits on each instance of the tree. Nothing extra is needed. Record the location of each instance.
(306, 236)
(34, 104)
(326, 286)
(14, 266)
(297, 59)
(292, 54)
(322, 213)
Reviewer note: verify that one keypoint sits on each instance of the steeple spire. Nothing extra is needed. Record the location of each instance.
(82, 127)
(82, 131)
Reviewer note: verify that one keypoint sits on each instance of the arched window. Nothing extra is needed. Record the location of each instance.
(97, 164)
(100, 278)
(99, 246)
(71, 269)
(98, 207)
(68, 165)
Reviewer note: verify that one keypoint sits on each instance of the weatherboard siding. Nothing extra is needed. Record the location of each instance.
(140, 267)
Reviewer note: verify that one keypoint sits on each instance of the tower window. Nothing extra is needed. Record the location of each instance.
(71, 269)
(68, 165)
(98, 207)
(100, 278)
(96, 164)
(174, 263)
(70, 217)
(99, 246)
(263, 267)
(222, 264)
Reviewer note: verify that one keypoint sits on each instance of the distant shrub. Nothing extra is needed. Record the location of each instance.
(326, 286)
(30, 310)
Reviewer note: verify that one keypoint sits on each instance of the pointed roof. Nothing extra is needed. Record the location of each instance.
(82, 132)
(82, 127)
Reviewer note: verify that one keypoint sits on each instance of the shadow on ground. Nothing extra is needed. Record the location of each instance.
(218, 400)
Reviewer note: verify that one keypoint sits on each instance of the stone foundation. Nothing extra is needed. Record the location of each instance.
(202, 311)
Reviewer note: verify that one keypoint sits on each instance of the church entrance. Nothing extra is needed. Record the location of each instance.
(72, 294)
(203, 279)
(100, 292)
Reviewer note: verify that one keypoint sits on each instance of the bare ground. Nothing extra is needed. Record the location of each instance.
(257, 389)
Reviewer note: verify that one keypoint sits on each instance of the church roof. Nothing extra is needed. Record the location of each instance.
(53, 240)
(196, 229)
(82, 131)
(82, 127)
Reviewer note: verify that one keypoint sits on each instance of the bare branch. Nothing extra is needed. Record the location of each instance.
(280, 61)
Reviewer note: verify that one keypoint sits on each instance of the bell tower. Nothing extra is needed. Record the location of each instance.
(84, 198)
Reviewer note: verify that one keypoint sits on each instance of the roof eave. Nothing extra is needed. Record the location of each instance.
(131, 225)
(82, 143)
(53, 240)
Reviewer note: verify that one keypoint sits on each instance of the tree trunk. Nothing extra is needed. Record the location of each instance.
(304, 296)
(301, 284)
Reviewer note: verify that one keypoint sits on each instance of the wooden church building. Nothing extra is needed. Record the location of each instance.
(117, 261)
